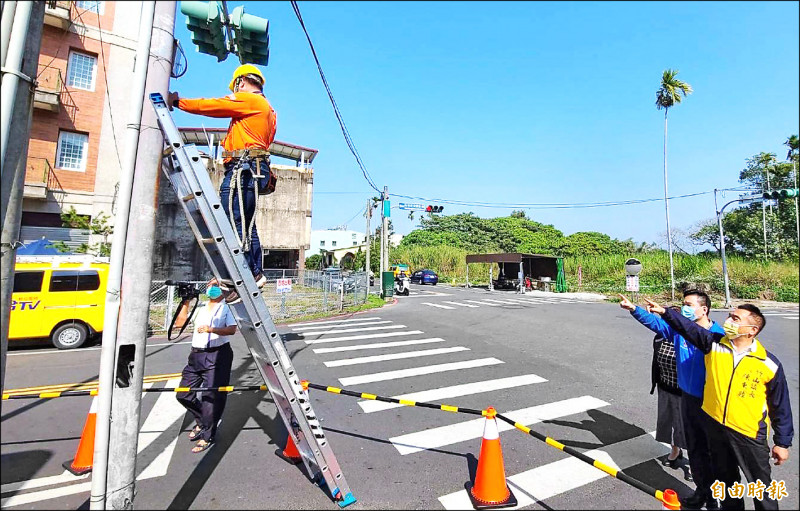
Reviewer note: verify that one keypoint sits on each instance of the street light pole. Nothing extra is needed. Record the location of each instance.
(722, 243)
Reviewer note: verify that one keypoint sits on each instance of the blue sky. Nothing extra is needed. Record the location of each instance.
(524, 102)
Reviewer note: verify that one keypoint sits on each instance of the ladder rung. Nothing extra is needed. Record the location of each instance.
(189, 197)
(209, 241)
(169, 150)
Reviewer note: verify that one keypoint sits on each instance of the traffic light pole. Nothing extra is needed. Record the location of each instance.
(722, 243)
(385, 232)
(369, 217)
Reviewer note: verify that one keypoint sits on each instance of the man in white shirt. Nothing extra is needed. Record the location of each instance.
(209, 365)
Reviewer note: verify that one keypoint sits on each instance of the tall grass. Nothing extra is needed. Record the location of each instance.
(749, 278)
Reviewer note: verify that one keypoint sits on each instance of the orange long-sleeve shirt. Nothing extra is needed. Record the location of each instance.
(253, 120)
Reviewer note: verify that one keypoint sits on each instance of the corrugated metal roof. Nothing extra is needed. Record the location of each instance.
(283, 149)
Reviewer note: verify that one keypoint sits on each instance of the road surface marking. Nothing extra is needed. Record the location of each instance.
(394, 356)
(561, 476)
(378, 345)
(366, 329)
(314, 323)
(504, 302)
(483, 303)
(465, 389)
(364, 336)
(310, 328)
(164, 422)
(437, 305)
(81, 386)
(163, 411)
(460, 304)
(471, 429)
(417, 371)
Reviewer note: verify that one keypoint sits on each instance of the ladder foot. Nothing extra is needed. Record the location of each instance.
(346, 500)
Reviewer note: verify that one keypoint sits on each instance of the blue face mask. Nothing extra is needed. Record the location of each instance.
(688, 312)
(214, 292)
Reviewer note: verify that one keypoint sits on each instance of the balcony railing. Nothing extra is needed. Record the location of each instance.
(40, 179)
(51, 92)
(57, 14)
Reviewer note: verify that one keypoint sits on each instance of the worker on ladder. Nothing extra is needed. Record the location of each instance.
(245, 157)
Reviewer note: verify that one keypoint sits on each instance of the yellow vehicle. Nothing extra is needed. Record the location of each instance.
(60, 297)
(400, 267)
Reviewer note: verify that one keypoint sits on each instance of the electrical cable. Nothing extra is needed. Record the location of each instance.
(108, 89)
(336, 111)
(579, 205)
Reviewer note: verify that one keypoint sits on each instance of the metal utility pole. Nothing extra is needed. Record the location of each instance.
(8, 21)
(796, 215)
(369, 217)
(12, 68)
(138, 268)
(722, 252)
(385, 231)
(27, 28)
(101, 497)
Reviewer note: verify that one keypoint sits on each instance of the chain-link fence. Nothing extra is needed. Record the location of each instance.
(311, 292)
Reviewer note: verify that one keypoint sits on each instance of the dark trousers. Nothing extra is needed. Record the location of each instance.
(253, 255)
(207, 369)
(697, 442)
(730, 451)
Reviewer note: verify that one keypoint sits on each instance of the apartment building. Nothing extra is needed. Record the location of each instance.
(79, 117)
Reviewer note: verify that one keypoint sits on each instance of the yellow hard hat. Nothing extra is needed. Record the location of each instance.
(245, 69)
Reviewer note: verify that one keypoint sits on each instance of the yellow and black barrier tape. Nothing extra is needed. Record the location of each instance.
(91, 385)
(613, 472)
(93, 392)
(405, 402)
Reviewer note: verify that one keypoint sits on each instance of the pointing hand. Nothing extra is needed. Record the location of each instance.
(654, 308)
(626, 304)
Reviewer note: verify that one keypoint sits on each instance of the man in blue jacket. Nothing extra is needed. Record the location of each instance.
(691, 379)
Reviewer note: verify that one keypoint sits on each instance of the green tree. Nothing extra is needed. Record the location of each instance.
(313, 262)
(97, 225)
(671, 93)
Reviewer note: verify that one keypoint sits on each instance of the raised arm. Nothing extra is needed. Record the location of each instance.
(695, 334)
(651, 321)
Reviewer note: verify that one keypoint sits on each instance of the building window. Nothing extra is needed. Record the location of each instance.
(322, 243)
(90, 6)
(333, 243)
(81, 71)
(72, 151)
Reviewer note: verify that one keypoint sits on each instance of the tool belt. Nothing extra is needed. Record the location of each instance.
(257, 162)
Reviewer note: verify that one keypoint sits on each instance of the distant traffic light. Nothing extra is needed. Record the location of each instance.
(205, 22)
(785, 193)
(434, 209)
(250, 37)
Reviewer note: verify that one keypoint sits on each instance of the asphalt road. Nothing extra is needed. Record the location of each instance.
(578, 372)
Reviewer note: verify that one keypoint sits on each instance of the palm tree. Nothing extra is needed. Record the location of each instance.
(669, 94)
(794, 149)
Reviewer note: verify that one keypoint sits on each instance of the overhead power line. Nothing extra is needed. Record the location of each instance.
(546, 205)
(345, 132)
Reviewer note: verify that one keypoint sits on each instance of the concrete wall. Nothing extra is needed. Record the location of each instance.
(283, 222)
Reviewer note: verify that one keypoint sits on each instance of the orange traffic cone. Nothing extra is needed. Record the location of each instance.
(85, 454)
(490, 489)
(670, 500)
(290, 453)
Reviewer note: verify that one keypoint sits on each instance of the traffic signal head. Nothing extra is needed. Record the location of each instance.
(250, 37)
(438, 209)
(429, 209)
(434, 209)
(204, 21)
(786, 193)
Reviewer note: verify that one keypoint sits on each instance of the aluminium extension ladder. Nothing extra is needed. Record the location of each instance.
(214, 232)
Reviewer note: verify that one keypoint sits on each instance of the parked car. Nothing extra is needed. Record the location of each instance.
(59, 297)
(424, 277)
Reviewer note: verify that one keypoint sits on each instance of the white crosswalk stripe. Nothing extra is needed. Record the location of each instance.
(311, 329)
(503, 302)
(362, 336)
(437, 305)
(484, 303)
(466, 389)
(446, 435)
(560, 476)
(460, 304)
(377, 345)
(394, 356)
(315, 323)
(346, 330)
(417, 371)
